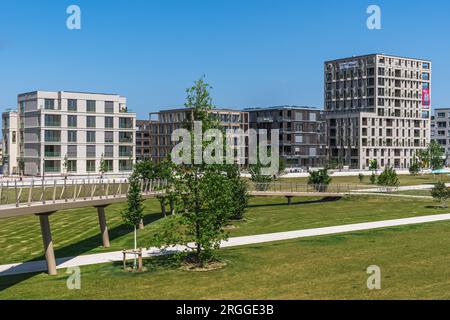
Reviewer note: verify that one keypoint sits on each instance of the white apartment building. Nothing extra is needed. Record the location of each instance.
(377, 108)
(440, 130)
(73, 132)
(10, 142)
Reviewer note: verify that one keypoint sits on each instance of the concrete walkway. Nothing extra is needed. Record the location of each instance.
(84, 260)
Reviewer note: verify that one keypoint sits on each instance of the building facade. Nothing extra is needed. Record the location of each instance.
(143, 140)
(440, 130)
(10, 143)
(163, 123)
(73, 132)
(301, 136)
(377, 108)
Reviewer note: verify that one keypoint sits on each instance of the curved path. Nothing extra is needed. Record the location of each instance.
(84, 260)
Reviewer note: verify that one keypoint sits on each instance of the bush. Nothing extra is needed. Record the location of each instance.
(360, 177)
(319, 179)
(388, 178)
(441, 193)
(373, 178)
(414, 169)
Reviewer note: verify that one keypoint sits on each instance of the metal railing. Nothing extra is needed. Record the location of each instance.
(32, 192)
(283, 187)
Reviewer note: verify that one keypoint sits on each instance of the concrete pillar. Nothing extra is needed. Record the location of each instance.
(48, 243)
(103, 226)
(289, 200)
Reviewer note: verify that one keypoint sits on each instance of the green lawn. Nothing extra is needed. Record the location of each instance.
(76, 232)
(405, 180)
(413, 260)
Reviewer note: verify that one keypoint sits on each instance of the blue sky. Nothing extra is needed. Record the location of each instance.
(253, 52)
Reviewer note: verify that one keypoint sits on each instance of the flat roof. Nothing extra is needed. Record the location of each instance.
(282, 107)
(186, 109)
(377, 54)
(79, 92)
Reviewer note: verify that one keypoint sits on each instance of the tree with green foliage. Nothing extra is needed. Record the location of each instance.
(319, 179)
(388, 179)
(360, 178)
(414, 167)
(281, 166)
(260, 180)
(203, 192)
(441, 193)
(432, 157)
(132, 215)
(103, 166)
(239, 189)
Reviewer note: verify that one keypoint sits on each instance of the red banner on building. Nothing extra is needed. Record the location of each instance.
(426, 101)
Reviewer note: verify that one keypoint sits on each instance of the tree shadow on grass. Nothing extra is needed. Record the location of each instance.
(323, 200)
(65, 253)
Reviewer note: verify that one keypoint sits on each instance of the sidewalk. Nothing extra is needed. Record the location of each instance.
(85, 260)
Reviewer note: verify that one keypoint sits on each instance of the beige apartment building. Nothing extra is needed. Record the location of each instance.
(377, 108)
(72, 132)
(163, 123)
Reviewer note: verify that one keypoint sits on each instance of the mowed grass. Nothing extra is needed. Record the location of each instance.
(413, 260)
(405, 180)
(76, 232)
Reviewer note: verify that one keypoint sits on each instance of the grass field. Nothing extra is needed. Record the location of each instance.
(413, 260)
(405, 180)
(76, 232)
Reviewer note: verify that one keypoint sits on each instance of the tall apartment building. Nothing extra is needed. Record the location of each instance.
(377, 107)
(143, 140)
(302, 133)
(440, 129)
(163, 123)
(10, 142)
(72, 132)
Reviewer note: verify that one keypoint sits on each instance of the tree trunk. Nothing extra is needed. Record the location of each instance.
(172, 206)
(163, 206)
(135, 248)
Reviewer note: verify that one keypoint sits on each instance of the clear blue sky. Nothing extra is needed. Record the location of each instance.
(253, 52)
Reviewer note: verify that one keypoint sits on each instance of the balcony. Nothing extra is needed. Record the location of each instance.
(52, 154)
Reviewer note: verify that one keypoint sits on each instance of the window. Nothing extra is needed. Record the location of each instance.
(52, 120)
(72, 105)
(109, 151)
(90, 165)
(52, 136)
(71, 136)
(125, 123)
(90, 136)
(52, 151)
(109, 165)
(426, 65)
(126, 137)
(425, 76)
(109, 136)
(50, 104)
(14, 138)
(125, 151)
(90, 122)
(109, 122)
(125, 165)
(109, 107)
(72, 121)
(72, 151)
(90, 152)
(52, 166)
(90, 106)
(72, 166)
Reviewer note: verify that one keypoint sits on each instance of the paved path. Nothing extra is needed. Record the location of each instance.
(84, 260)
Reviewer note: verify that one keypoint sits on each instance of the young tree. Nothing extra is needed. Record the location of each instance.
(239, 190)
(203, 192)
(103, 166)
(414, 167)
(133, 213)
(373, 166)
(436, 154)
(360, 178)
(319, 179)
(441, 193)
(260, 180)
(388, 178)
(65, 166)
